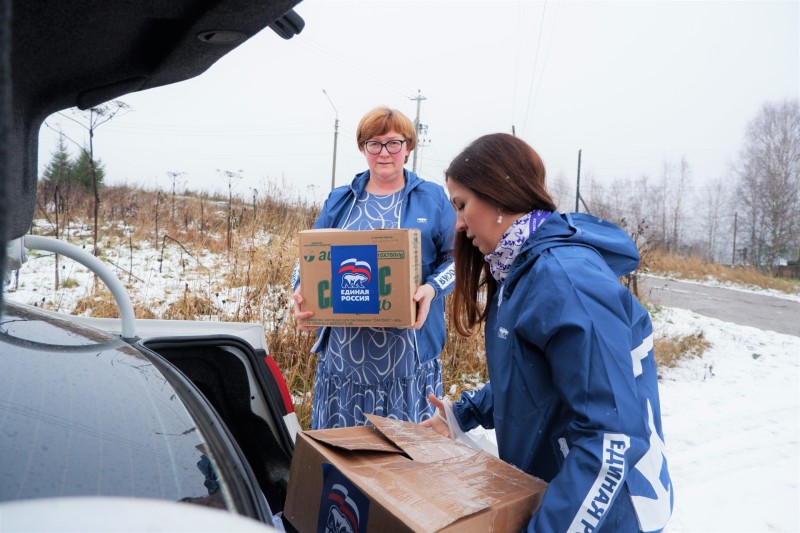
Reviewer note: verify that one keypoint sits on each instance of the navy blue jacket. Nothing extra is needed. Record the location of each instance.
(425, 206)
(573, 390)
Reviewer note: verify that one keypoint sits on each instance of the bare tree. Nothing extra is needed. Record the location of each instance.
(660, 203)
(562, 190)
(202, 214)
(679, 191)
(174, 177)
(231, 179)
(715, 203)
(622, 199)
(769, 183)
(639, 201)
(159, 200)
(255, 200)
(94, 118)
(56, 175)
(604, 201)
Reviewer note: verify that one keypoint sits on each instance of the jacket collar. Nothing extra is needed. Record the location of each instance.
(359, 183)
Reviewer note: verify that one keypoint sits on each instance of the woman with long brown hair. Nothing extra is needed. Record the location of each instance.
(573, 391)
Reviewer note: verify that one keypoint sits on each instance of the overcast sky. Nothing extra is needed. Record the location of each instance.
(633, 84)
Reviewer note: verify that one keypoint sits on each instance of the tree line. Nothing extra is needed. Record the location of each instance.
(65, 173)
(749, 217)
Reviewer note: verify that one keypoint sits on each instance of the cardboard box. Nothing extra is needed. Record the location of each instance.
(399, 476)
(360, 278)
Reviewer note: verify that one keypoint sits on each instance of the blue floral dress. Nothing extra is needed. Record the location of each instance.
(373, 370)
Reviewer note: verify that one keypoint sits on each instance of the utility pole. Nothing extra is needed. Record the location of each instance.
(420, 128)
(578, 189)
(335, 137)
(578, 197)
(735, 223)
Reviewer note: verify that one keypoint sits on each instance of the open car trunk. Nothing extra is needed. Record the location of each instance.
(238, 381)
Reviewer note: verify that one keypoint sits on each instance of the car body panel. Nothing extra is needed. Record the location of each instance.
(94, 514)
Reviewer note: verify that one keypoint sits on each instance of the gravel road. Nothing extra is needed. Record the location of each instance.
(731, 305)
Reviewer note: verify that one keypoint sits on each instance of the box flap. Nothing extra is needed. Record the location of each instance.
(419, 443)
(423, 496)
(360, 438)
(445, 481)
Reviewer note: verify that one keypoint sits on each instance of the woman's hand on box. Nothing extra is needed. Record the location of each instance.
(438, 422)
(423, 298)
(301, 316)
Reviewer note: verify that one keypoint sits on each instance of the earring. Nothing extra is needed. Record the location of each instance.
(499, 216)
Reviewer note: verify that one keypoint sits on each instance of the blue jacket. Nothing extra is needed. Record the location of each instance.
(573, 390)
(425, 206)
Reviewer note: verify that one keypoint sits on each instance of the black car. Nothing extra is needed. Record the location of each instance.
(125, 422)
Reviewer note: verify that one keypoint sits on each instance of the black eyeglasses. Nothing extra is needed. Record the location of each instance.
(375, 147)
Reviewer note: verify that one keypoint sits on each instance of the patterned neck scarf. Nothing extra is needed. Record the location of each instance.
(512, 240)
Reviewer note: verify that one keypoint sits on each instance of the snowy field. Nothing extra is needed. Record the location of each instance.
(732, 428)
(731, 418)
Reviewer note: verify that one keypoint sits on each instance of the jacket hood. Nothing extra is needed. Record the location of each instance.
(581, 229)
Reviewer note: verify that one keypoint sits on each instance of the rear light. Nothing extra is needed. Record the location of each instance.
(282, 387)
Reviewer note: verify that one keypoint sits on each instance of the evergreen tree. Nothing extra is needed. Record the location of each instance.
(64, 172)
(81, 174)
(59, 169)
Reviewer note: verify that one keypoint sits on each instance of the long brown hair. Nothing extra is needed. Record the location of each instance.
(507, 172)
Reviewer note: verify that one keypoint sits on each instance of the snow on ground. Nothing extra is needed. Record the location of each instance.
(156, 275)
(732, 428)
(731, 418)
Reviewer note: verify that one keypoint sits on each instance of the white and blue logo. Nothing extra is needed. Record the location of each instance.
(342, 508)
(354, 285)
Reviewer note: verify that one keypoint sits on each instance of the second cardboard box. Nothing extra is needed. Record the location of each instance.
(400, 477)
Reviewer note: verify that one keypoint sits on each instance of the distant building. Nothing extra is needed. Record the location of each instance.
(791, 269)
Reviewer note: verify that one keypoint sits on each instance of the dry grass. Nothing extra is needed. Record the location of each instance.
(102, 305)
(463, 363)
(694, 268)
(190, 307)
(670, 350)
(259, 245)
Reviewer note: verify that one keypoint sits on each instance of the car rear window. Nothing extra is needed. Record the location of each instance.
(84, 418)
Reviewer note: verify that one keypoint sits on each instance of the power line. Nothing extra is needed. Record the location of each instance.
(317, 50)
(533, 74)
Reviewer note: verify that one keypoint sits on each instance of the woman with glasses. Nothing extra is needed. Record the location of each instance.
(385, 371)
